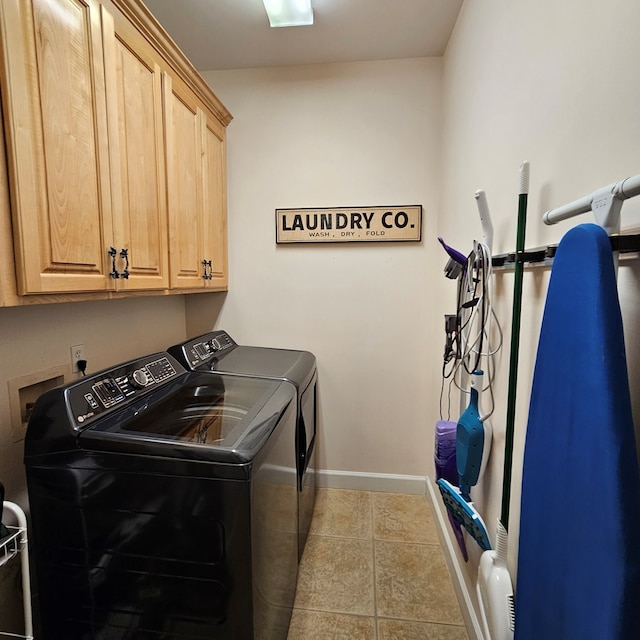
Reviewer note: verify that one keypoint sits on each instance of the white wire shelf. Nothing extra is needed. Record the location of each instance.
(16, 543)
(10, 545)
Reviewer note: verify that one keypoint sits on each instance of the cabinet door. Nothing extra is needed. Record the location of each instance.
(183, 137)
(57, 145)
(214, 238)
(134, 100)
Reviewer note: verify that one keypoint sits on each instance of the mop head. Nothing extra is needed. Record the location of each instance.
(465, 513)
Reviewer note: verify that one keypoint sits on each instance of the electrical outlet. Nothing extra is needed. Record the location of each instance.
(77, 353)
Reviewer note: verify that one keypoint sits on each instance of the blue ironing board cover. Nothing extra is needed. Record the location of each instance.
(579, 549)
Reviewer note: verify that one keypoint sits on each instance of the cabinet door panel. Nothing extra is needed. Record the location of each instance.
(134, 97)
(214, 235)
(57, 144)
(184, 180)
(69, 134)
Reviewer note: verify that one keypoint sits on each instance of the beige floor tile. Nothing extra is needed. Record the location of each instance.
(407, 630)
(403, 518)
(413, 583)
(336, 574)
(320, 625)
(342, 513)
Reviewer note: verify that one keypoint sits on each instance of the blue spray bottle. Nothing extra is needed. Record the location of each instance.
(473, 440)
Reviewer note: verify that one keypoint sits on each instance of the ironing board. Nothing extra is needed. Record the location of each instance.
(579, 549)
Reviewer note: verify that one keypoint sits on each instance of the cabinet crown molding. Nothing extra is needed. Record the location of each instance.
(140, 16)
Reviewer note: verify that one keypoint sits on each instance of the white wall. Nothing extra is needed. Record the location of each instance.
(358, 134)
(553, 83)
(36, 338)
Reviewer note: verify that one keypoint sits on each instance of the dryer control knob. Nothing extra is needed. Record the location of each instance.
(139, 379)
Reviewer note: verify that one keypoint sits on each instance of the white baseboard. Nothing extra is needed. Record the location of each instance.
(357, 480)
(474, 630)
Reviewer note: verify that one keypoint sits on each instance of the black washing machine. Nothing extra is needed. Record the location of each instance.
(164, 505)
(218, 352)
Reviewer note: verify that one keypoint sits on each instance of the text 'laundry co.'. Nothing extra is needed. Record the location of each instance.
(351, 224)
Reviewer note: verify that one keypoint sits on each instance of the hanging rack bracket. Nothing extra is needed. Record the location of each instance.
(605, 203)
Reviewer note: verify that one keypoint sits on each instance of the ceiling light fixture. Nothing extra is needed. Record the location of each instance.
(289, 13)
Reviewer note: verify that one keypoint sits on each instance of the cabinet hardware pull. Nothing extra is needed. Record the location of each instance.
(114, 272)
(208, 274)
(124, 253)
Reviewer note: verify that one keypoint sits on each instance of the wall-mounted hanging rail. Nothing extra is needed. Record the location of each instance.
(606, 204)
(627, 246)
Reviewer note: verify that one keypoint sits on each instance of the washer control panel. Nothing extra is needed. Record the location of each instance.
(204, 348)
(113, 388)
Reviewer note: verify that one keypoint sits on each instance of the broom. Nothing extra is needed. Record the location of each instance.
(494, 587)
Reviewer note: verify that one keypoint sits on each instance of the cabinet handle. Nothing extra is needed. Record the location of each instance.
(114, 272)
(124, 253)
(207, 275)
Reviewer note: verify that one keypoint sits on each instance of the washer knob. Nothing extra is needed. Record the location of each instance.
(215, 345)
(139, 379)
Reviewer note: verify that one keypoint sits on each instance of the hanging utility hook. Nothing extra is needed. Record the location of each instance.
(605, 204)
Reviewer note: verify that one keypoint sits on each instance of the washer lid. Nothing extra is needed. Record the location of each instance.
(207, 416)
(266, 362)
(217, 351)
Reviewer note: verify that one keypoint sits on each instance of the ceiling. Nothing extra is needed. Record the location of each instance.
(235, 34)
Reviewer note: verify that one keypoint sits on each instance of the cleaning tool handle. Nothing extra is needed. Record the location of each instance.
(524, 178)
(485, 218)
(515, 344)
(476, 381)
(454, 254)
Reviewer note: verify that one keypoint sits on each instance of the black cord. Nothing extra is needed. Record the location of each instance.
(446, 375)
(82, 367)
(475, 273)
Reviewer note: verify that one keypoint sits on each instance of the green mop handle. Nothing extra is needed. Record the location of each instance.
(515, 344)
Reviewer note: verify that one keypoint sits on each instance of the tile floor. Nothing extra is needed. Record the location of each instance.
(373, 569)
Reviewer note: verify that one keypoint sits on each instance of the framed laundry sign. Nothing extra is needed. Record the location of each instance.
(349, 224)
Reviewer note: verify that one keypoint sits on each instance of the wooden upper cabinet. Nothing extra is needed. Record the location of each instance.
(184, 174)
(57, 144)
(196, 191)
(136, 147)
(215, 202)
(115, 152)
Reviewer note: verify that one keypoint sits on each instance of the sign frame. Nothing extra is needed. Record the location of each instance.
(324, 225)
